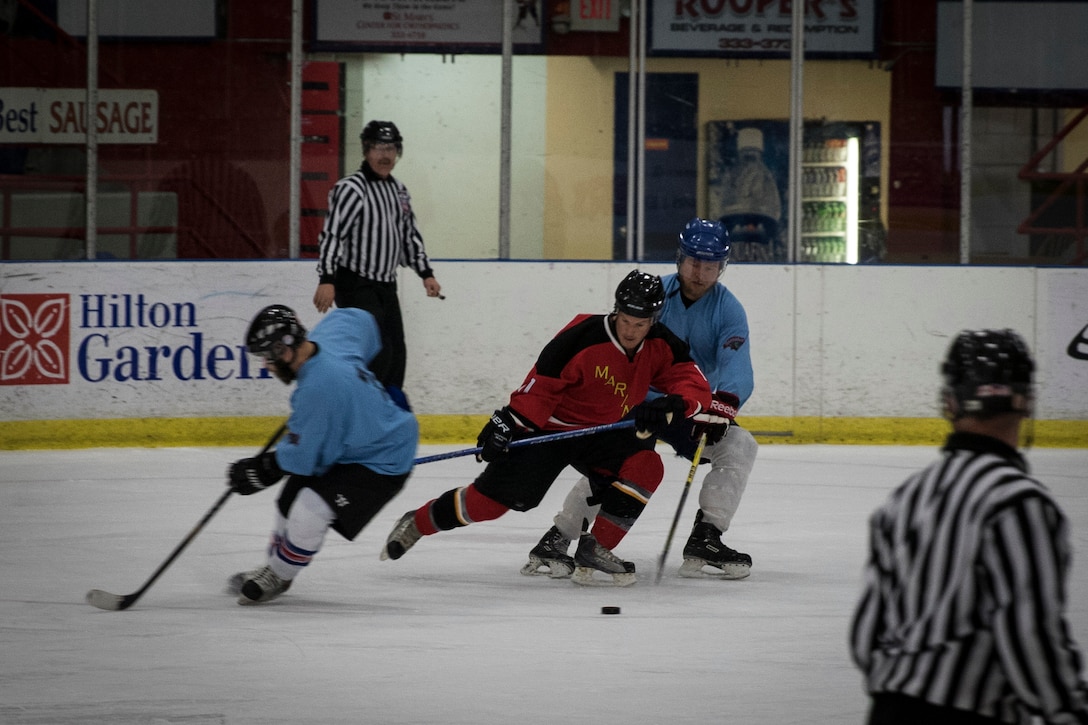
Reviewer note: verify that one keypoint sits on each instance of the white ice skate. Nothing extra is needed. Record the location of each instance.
(550, 557)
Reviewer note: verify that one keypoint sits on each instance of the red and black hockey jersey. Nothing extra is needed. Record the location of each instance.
(583, 377)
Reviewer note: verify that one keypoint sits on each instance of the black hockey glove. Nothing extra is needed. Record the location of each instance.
(716, 420)
(654, 416)
(250, 475)
(496, 436)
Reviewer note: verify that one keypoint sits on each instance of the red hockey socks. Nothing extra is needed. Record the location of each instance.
(457, 507)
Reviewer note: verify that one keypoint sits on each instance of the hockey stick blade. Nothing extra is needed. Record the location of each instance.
(110, 602)
(117, 602)
(577, 433)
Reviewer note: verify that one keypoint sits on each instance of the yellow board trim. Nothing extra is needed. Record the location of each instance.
(463, 429)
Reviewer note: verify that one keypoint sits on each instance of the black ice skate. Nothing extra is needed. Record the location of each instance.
(259, 586)
(550, 557)
(592, 557)
(402, 538)
(705, 549)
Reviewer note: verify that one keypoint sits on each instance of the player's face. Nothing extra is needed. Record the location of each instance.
(697, 276)
(631, 331)
(382, 157)
(279, 362)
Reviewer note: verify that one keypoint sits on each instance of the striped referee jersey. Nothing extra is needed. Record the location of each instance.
(370, 229)
(964, 591)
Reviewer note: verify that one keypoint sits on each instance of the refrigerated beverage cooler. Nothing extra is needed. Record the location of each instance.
(747, 179)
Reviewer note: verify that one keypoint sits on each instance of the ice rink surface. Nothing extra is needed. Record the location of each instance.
(451, 633)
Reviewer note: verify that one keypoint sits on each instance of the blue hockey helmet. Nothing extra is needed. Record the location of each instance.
(705, 240)
(987, 372)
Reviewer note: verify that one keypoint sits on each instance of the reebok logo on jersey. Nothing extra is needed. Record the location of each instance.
(734, 342)
(34, 336)
(342, 500)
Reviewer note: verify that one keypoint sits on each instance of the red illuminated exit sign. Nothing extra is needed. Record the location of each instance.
(595, 15)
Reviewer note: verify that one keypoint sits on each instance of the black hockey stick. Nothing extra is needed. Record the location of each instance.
(117, 602)
(576, 433)
(680, 507)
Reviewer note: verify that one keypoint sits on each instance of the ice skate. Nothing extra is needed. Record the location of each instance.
(235, 582)
(705, 556)
(592, 557)
(260, 586)
(402, 538)
(550, 557)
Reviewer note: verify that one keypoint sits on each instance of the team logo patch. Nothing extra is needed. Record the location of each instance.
(34, 334)
(734, 342)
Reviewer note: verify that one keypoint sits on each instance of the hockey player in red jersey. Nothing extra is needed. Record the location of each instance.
(595, 371)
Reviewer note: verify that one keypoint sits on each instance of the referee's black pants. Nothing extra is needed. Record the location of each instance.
(379, 299)
(895, 709)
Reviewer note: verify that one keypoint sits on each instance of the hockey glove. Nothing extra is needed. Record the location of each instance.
(496, 436)
(653, 416)
(250, 475)
(716, 420)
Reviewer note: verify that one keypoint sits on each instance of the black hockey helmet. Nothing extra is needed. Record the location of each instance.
(274, 329)
(987, 372)
(640, 295)
(377, 132)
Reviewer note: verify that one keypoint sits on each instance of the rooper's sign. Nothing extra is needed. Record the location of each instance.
(58, 116)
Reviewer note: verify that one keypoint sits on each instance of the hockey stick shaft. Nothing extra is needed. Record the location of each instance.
(115, 602)
(533, 441)
(680, 507)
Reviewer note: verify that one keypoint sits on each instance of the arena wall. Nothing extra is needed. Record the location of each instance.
(150, 353)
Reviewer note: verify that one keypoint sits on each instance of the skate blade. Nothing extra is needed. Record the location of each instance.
(699, 569)
(584, 576)
(552, 570)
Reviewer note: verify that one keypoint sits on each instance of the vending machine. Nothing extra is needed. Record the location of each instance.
(747, 178)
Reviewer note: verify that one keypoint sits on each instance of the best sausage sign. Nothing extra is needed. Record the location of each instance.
(59, 116)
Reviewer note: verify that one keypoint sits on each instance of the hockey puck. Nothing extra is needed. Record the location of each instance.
(610, 610)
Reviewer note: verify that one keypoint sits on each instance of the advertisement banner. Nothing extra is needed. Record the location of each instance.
(761, 28)
(464, 25)
(59, 116)
(138, 340)
(142, 339)
(145, 19)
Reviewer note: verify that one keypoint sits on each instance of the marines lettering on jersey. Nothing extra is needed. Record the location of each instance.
(618, 387)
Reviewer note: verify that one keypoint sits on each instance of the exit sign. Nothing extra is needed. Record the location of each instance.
(595, 15)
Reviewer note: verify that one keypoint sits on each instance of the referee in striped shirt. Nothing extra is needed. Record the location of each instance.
(369, 232)
(962, 617)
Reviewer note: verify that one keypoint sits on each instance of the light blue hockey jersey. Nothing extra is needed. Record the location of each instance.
(716, 329)
(339, 412)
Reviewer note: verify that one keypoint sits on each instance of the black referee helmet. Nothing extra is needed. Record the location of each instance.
(987, 372)
(377, 132)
